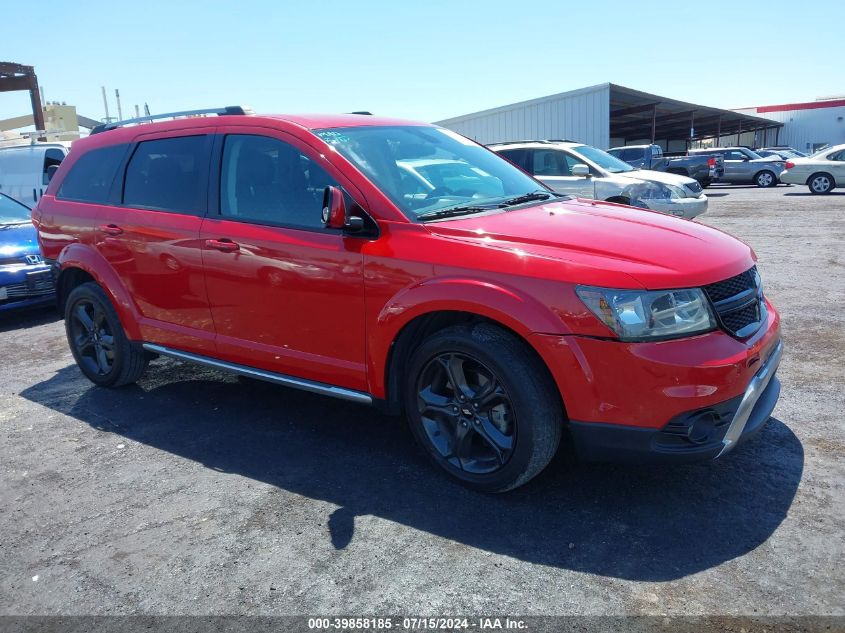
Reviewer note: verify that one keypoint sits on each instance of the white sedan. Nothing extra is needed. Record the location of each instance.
(821, 172)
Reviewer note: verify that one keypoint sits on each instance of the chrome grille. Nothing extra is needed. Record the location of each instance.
(738, 303)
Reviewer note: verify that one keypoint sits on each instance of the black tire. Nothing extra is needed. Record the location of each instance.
(705, 183)
(489, 447)
(97, 340)
(821, 183)
(765, 179)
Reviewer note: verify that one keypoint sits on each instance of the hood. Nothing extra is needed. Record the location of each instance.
(657, 176)
(17, 240)
(605, 244)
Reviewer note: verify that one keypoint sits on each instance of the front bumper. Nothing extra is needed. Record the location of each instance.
(680, 207)
(23, 286)
(696, 435)
(619, 394)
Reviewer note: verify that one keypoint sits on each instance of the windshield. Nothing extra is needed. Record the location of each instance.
(602, 159)
(423, 169)
(13, 212)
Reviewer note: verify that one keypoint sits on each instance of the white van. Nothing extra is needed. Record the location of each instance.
(25, 170)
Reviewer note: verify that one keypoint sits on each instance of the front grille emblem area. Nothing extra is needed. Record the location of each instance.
(739, 303)
(34, 259)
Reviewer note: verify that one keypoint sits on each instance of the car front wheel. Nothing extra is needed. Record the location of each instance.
(483, 406)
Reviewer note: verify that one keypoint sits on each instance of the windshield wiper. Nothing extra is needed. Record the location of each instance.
(450, 212)
(528, 197)
(8, 225)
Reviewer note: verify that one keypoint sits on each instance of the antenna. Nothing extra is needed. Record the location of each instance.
(146, 109)
(119, 111)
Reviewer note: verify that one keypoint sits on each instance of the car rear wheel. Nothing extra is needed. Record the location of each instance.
(97, 340)
(483, 406)
(820, 183)
(765, 179)
(705, 183)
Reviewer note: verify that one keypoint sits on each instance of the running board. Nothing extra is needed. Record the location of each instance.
(261, 374)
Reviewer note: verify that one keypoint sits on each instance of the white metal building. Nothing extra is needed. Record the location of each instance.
(806, 126)
(608, 115)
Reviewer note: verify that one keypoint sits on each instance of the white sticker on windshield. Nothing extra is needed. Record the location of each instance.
(463, 140)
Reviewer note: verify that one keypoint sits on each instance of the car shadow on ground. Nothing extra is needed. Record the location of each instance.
(632, 522)
(808, 194)
(27, 317)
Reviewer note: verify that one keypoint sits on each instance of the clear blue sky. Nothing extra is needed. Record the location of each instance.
(420, 60)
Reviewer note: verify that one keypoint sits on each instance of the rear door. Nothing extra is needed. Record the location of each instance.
(286, 294)
(836, 164)
(150, 236)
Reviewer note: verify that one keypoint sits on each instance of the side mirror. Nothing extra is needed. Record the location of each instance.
(335, 215)
(48, 175)
(581, 170)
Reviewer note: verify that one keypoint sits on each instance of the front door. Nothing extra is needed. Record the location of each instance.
(737, 166)
(286, 294)
(554, 168)
(150, 236)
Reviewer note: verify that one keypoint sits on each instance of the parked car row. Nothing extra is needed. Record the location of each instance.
(587, 172)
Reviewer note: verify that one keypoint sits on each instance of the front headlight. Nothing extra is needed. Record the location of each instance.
(641, 314)
(659, 191)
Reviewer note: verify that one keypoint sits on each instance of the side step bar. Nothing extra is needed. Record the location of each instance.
(261, 374)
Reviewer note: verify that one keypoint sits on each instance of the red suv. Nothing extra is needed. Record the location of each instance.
(403, 265)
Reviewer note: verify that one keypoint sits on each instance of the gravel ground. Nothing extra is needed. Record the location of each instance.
(199, 493)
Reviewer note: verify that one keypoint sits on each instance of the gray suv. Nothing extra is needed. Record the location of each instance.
(744, 166)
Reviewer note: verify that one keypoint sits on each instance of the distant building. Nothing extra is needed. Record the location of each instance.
(608, 115)
(806, 126)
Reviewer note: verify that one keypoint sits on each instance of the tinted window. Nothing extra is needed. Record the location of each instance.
(52, 158)
(518, 157)
(168, 174)
(735, 155)
(90, 178)
(268, 181)
(553, 163)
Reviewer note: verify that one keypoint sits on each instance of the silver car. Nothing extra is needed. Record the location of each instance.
(744, 166)
(588, 172)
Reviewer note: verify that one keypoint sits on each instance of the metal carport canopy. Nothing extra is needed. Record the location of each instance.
(636, 115)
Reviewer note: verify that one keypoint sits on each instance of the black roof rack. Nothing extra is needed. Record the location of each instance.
(172, 115)
(364, 112)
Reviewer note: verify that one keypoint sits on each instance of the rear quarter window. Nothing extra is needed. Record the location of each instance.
(90, 178)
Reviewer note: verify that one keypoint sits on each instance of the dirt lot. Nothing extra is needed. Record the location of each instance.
(198, 493)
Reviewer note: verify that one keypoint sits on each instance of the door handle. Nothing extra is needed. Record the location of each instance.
(224, 245)
(111, 229)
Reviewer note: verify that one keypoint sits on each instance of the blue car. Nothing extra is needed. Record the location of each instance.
(25, 280)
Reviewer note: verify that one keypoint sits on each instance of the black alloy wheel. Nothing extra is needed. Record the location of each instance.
(96, 337)
(483, 406)
(466, 413)
(92, 337)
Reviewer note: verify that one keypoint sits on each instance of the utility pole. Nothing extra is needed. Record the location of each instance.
(119, 111)
(106, 105)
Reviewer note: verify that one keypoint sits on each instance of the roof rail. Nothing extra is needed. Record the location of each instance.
(550, 140)
(363, 112)
(172, 115)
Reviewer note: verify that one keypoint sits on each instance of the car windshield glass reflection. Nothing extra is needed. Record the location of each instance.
(426, 169)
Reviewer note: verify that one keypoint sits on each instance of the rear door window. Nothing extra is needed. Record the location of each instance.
(168, 174)
(90, 178)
